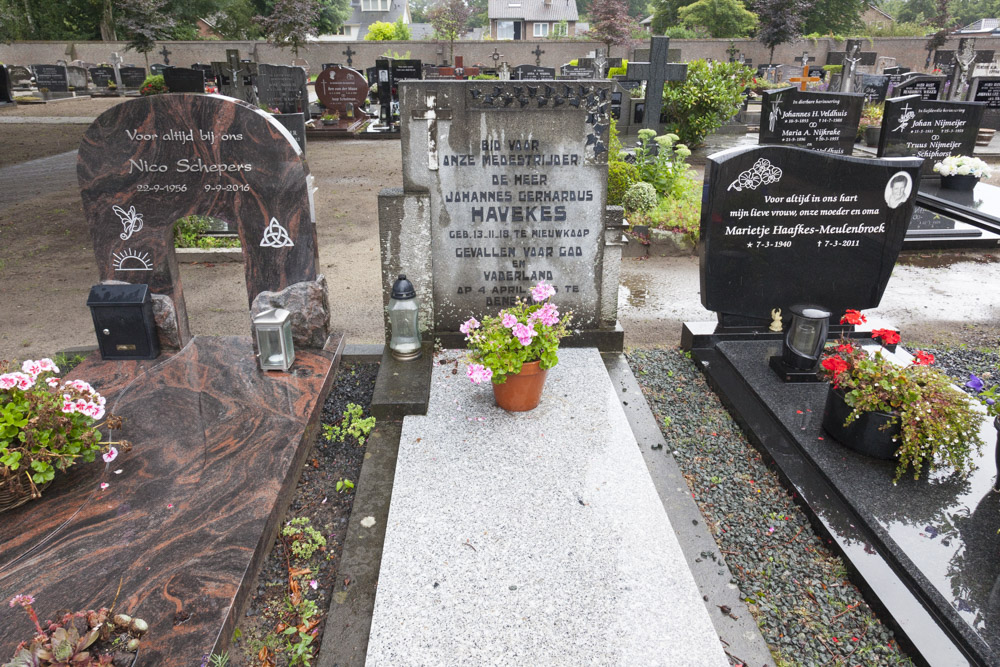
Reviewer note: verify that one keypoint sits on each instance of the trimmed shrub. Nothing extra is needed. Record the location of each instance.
(621, 176)
(640, 197)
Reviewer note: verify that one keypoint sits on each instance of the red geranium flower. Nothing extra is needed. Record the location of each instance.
(921, 358)
(887, 336)
(853, 317)
(845, 347)
(835, 365)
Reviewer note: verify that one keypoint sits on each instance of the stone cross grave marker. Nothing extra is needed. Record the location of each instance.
(6, 87)
(149, 161)
(538, 55)
(656, 73)
(805, 79)
(283, 87)
(184, 80)
(774, 235)
(986, 89)
(166, 54)
(236, 78)
(931, 129)
(52, 77)
(820, 121)
(504, 185)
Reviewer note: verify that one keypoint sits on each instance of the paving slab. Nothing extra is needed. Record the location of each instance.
(532, 538)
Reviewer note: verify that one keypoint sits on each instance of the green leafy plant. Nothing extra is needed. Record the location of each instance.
(640, 197)
(153, 85)
(350, 424)
(939, 426)
(524, 332)
(621, 176)
(709, 96)
(305, 540)
(331, 117)
(219, 659)
(667, 171)
(989, 397)
(618, 71)
(344, 485)
(191, 232)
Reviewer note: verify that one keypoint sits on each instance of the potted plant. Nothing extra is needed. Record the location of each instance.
(83, 638)
(961, 172)
(911, 413)
(515, 348)
(331, 118)
(46, 94)
(887, 338)
(871, 123)
(46, 425)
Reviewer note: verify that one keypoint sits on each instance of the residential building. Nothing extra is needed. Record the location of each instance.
(363, 14)
(531, 19)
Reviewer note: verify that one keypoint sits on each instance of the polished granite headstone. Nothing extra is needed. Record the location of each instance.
(184, 80)
(926, 86)
(190, 512)
(52, 77)
(20, 76)
(407, 69)
(986, 89)
(821, 121)
(147, 162)
(283, 87)
(6, 89)
(781, 225)
(336, 87)
(76, 78)
(941, 534)
(532, 72)
(295, 123)
(576, 72)
(102, 76)
(132, 77)
(931, 129)
(874, 87)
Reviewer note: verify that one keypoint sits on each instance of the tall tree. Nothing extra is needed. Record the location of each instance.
(837, 17)
(940, 20)
(291, 23)
(720, 18)
(450, 19)
(610, 22)
(665, 15)
(143, 22)
(332, 15)
(781, 22)
(235, 20)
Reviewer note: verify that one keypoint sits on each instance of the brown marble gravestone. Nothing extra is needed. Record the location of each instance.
(147, 162)
(336, 87)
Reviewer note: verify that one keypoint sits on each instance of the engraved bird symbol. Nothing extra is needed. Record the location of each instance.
(131, 221)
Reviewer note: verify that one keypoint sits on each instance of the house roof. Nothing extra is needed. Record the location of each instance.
(876, 9)
(982, 25)
(397, 8)
(533, 10)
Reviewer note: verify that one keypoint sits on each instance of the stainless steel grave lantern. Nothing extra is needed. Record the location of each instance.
(803, 345)
(405, 332)
(273, 330)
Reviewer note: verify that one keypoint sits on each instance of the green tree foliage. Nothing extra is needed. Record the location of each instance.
(291, 23)
(235, 20)
(381, 31)
(143, 22)
(450, 19)
(838, 17)
(781, 22)
(709, 96)
(721, 18)
(610, 22)
(332, 15)
(480, 13)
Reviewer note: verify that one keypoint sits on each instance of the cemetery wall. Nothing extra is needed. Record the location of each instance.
(908, 51)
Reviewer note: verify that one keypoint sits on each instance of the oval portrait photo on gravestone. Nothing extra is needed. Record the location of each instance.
(897, 190)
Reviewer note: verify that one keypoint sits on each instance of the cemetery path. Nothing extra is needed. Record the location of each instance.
(28, 180)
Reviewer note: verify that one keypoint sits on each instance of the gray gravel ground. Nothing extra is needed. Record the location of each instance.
(797, 589)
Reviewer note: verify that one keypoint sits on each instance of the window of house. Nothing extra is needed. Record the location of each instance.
(541, 29)
(505, 30)
(374, 5)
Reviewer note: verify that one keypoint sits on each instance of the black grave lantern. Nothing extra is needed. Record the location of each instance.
(123, 320)
(803, 345)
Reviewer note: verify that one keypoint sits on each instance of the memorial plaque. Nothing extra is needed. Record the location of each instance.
(337, 87)
(576, 72)
(533, 72)
(931, 129)
(283, 87)
(151, 160)
(407, 69)
(20, 76)
(132, 77)
(102, 76)
(782, 226)
(6, 89)
(517, 182)
(874, 87)
(928, 87)
(820, 121)
(987, 90)
(76, 78)
(184, 80)
(52, 77)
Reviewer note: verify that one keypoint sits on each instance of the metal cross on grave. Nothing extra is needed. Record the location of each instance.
(805, 79)
(432, 114)
(732, 51)
(538, 55)
(166, 55)
(656, 73)
(496, 56)
(349, 53)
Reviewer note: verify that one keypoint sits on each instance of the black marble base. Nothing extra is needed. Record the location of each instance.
(924, 552)
(788, 374)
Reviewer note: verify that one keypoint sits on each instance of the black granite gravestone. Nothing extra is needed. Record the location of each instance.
(407, 70)
(576, 72)
(532, 73)
(783, 225)
(874, 87)
(52, 77)
(865, 58)
(295, 123)
(132, 77)
(6, 89)
(184, 80)
(283, 87)
(207, 69)
(102, 76)
(928, 87)
(820, 121)
(944, 61)
(986, 89)
(656, 73)
(931, 129)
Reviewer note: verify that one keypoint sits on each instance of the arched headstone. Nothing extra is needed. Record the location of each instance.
(149, 161)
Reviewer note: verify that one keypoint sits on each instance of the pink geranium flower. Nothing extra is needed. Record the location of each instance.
(508, 320)
(479, 373)
(110, 455)
(524, 333)
(469, 325)
(541, 292)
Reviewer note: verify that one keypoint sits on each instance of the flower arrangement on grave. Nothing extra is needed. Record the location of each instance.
(989, 397)
(82, 638)
(962, 165)
(938, 426)
(46, 425)
(332, 117)
(520, 342)
(887, 337)
(153, 85)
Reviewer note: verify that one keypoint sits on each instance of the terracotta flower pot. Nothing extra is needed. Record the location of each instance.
(523, 391)
(865, 434)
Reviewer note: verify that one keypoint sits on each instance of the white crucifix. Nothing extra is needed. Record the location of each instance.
(432, 114)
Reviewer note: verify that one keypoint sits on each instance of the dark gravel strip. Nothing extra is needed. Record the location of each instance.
(796, 588)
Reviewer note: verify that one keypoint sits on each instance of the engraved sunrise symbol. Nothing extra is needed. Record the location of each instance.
(132, 260)
(276, 236)
(131, 221)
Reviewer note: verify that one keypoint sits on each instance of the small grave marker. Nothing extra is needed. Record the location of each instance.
(132, 77)
(53, 77)
(184, 80)
(338, 87)
(931, 129)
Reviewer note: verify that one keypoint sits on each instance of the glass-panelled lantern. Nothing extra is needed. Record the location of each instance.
(803, 345)
(405, 332)
(273, 329)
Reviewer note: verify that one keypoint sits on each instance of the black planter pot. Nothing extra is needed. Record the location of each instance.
(866, 434)
(965, 182)
(996, 454)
